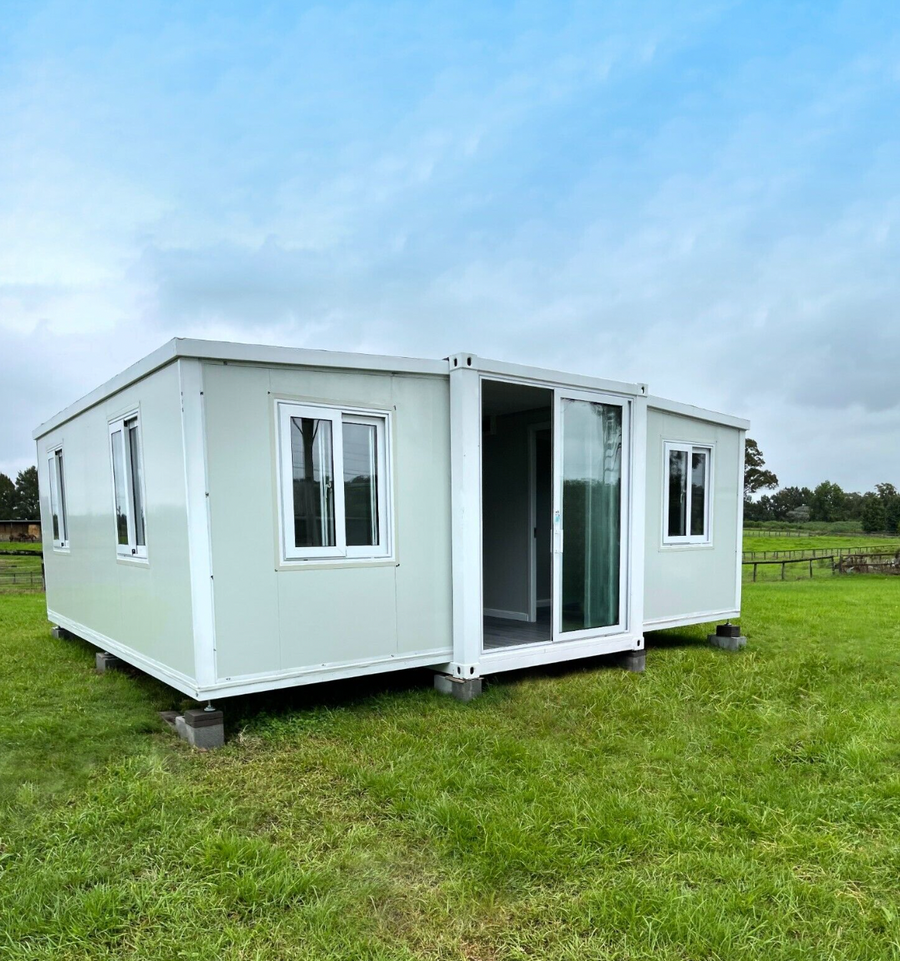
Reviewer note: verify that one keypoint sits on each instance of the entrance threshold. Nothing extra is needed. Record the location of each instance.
(500, 632)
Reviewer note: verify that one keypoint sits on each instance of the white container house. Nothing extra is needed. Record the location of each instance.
(234, 518)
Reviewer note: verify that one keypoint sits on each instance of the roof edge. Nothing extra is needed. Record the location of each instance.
(543, 375)
(698, 413)
(237, 353)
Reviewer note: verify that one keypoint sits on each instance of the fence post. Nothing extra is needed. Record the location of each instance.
(810, 568)
(782, 570)
(754, 573)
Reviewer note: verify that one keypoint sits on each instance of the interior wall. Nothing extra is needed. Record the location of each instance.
(506, 526)
(544, 519)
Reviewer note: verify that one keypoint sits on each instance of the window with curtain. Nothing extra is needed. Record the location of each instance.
(334, 482)
(686, 494)
(591, 514)
(128, 486)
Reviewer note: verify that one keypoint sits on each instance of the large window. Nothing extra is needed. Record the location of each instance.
(58, 516)
(128, 486)
(687, 511)
(334, 482)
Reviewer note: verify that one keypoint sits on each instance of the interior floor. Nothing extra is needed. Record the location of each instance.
(504, 632)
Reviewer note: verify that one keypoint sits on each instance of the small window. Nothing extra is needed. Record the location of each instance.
(334, 482)
(128, 486)
(58, 516)
(686, 517)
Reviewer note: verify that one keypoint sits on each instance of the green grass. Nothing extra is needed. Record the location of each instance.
(755, 541)
(16, 546)
(719, 806)
(823, 527)
(19, 564)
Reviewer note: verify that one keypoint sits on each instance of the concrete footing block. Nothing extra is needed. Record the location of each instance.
(108, 662)
(200, 728)
(60, 633)
(635, 661)
(728, 637)
(462, 688)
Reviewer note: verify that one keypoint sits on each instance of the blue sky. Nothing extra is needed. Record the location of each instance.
(703, 196)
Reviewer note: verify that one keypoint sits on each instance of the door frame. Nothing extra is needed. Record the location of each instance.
(532, 514)
(625, 513)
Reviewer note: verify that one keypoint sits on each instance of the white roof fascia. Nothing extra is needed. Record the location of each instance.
(543, 376)
(698, 413)
(303, 357)
(239, 353)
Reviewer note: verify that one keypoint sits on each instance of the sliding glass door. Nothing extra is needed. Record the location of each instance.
(589, 516)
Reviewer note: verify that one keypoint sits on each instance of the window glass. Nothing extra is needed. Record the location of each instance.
(118, 456)
(698, 492)
(54, 499)
(591, 513)
(360, 483)
(137, 481)
(61, 484)
(312, 471)
(677, 493)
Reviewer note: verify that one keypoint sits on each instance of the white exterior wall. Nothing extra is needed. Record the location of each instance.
(141, 610)
(693, 583)
(276, 623)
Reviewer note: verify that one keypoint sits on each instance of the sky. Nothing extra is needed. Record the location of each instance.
(703, 196)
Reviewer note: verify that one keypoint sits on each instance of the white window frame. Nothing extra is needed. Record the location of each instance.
(337, 416)
(706, 537)
(58, 494)
(131, 550)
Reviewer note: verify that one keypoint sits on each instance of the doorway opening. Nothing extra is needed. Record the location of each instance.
(516, 508)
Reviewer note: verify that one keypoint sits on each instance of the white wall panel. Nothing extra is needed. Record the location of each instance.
(273, 617)
(144, 606)
(684, 580)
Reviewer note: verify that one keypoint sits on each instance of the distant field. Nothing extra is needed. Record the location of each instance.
(13, 546)
(808, 527)
(760, 541)
(19, 573)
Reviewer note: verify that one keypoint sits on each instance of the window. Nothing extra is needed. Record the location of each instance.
(334, 482)
(58, 515)
(687, 510)
(128, 486)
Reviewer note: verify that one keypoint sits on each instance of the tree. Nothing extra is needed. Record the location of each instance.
(756, 477)
(890, 501)
(827, 502)
(7, 498)
(789, 499)
(28, 503)
(873, 516)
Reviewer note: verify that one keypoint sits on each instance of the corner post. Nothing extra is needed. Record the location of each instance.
(193, 434)
(465, 477)
(637, 510)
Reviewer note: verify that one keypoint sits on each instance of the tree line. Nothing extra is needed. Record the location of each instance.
(19, 499)
(876, 511)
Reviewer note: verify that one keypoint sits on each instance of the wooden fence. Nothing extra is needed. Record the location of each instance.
(807, 552)
(797, 560)
(842, 562)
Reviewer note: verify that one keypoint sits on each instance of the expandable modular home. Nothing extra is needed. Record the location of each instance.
(234, 518)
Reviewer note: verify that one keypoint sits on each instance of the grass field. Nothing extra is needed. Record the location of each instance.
(19, 572)
(16, 546)
(718, 806)
(755, 541)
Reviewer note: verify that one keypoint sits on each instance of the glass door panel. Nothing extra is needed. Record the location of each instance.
(588, 516)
